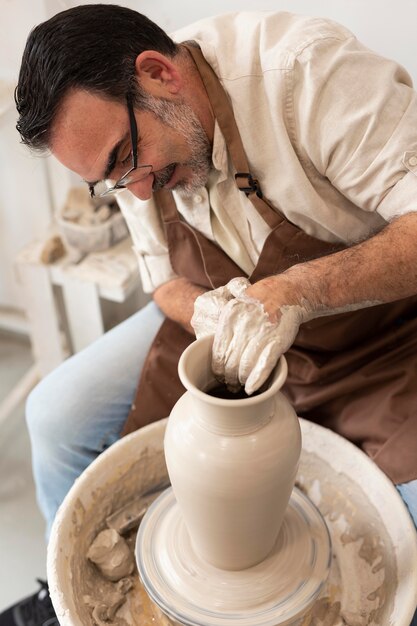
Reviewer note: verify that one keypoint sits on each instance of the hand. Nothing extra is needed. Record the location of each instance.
(208, 306)
(253, 331)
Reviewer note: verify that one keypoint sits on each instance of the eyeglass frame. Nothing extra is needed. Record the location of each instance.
(121, 182)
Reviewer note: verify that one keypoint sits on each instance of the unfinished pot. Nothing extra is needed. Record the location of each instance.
(232, 463)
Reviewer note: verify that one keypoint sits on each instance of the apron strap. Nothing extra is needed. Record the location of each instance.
(224, 115)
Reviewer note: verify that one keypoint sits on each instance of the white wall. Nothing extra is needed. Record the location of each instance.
(387, 26)
(25, 206)
(25, 198)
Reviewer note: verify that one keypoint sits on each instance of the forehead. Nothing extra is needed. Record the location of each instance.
(84, 131)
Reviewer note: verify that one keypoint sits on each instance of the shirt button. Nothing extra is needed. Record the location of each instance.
(197, 198)
(412, 161)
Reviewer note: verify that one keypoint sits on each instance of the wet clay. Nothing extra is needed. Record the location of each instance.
(129, 517)
(232, 463)
(363, 572)
(97, 598)
(105, 612)
(111, 553)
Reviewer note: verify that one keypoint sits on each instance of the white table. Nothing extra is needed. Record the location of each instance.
(67, 306)
(64, 301)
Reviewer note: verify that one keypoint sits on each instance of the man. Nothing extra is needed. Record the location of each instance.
(292, 153)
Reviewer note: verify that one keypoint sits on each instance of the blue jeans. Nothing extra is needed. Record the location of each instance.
(79, 410)
(408, 492)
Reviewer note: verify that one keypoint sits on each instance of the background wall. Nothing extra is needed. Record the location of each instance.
(388, 27)
(25, 189)
(30, 187)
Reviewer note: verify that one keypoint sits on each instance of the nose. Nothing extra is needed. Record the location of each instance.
(142, 189)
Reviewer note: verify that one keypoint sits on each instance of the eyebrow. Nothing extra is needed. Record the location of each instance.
(111, 162)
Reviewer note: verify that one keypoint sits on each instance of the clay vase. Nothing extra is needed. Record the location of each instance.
(232, 463)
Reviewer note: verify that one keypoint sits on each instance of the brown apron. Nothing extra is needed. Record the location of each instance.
(355, 373)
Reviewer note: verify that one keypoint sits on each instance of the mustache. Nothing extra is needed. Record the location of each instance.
(163, 176)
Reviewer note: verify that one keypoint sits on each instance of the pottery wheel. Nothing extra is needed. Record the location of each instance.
(195, 593)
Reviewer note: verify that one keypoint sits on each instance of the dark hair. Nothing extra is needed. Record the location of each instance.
(91, 47)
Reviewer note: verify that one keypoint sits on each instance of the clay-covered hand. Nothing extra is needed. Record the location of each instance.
(208, 306)
(254, 330)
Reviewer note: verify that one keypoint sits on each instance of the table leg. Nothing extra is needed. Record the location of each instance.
(84, 316)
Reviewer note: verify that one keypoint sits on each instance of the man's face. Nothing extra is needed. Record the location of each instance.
(91, 136)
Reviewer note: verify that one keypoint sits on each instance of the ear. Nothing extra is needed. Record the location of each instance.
(158, 74)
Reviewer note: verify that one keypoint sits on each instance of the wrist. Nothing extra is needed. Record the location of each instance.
(278, 293)
(302, 282)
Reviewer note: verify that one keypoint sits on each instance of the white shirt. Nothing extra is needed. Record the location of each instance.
(329, 129)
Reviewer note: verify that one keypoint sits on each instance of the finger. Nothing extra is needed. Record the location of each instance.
(243, 318)
(203, 325)
(222, 339)
(252, 352)
(263, 368)
(207, 308)
(281, 335)
(238, 286)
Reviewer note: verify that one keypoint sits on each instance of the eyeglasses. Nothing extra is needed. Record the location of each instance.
(134, 174)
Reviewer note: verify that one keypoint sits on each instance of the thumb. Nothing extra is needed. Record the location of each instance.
(237, 286)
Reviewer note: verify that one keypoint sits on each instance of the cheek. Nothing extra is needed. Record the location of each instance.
(167, 146)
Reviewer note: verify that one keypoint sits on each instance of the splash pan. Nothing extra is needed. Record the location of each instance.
(373, 574)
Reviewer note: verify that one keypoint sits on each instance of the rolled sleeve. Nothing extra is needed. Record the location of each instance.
(402, 198)
(356, 117)
(149, 241)
(154, 270)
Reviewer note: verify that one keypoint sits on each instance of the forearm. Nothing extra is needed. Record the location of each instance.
(176, 300)
(247, 343)
(380, 269)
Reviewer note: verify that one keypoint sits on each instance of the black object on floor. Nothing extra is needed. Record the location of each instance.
(35, 610)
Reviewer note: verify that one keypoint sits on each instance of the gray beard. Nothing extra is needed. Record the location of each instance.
(182, 118)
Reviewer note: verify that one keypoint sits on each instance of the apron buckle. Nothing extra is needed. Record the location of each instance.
(252, 184)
